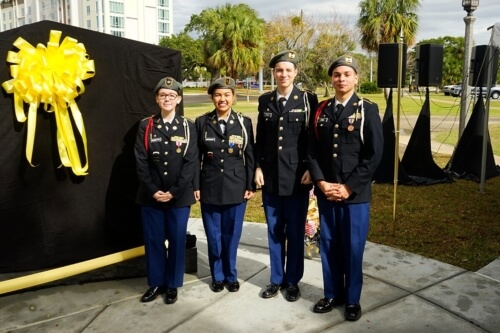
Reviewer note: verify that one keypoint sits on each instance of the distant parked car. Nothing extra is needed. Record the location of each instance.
(447, 90)
(456, 90)
(494, 93)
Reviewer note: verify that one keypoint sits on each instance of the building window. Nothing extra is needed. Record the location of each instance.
(163, 14)
(116, 22)
(163, 28)
(163, 3)
(88, 10)
(89, 24)
(29, 10)
(117, 33)
(116, 7)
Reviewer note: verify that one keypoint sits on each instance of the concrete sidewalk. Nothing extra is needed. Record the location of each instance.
(403, 292)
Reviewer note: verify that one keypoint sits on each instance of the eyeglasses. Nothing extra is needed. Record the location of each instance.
(167, 96)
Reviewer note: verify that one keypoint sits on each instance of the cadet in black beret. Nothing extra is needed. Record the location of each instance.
(281, 160)
(287, 55)
(166, 157)
(345, 60)
(222, 83)
(168, 83)
(345, 148)
(224, 181)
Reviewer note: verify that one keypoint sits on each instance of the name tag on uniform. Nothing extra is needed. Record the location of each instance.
(210, 139)
(297, 110)
(268, 114)
(153, 140)
(323, 120)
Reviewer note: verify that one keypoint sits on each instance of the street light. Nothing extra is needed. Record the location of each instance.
(469, 6)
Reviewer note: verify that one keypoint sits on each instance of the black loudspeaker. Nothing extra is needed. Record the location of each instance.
(429, 65)
(482, 58)
(387, 72)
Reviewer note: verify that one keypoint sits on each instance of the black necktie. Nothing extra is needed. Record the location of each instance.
(281, 103)
(340, 107)
(222, 125)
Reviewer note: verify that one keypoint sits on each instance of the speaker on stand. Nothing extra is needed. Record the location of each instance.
(482, 57)
(429, 65)
(387, 71)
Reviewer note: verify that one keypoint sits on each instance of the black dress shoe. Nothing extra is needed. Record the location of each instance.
(325, 305)
(152, 293)
(217, 286)
(233, 286)
(292, 293)
(271, 291)
(171, 296)
(352, 312)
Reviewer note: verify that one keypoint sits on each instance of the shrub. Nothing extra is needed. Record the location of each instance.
(369, 88)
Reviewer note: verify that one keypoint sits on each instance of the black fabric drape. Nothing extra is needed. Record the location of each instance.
(49, 216)
(385, 170)
(417, 159)
(466, 161)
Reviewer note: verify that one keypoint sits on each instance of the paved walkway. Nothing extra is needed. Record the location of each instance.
(402, 292)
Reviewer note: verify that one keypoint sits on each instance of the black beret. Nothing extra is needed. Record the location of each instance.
(345, 60)
(222, 83)
(287, 55)
(168, 83)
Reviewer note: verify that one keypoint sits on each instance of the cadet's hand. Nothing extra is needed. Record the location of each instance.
(161, 196)
(197, 195)
(327, 189)
(306, 178)
(248, 195)
(341, 192)
(259, 177)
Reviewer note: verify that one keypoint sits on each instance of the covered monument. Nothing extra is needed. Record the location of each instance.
(49, 216)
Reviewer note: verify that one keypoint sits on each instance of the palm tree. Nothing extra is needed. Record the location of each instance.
(382, 21)
(232, 38)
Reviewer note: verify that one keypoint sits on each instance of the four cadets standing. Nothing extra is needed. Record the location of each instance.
(336, 145)
(281, 171)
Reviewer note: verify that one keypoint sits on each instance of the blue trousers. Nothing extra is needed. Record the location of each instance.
(223, 226)
(286, 219)
(165, 268)
(344, 229)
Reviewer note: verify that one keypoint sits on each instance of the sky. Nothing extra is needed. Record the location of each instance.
(437, 18)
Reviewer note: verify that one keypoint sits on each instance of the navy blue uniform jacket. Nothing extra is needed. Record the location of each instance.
(226, 160)
(168, 162)
(281, 141)
(346, 149)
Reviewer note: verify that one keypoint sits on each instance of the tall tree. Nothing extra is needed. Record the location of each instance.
(192, 60)
(317, 43)
(382, 21)
(232, 38)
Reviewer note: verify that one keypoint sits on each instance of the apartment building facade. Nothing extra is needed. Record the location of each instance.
(141, 20)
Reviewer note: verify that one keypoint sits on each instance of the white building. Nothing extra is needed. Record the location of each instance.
(142, 20)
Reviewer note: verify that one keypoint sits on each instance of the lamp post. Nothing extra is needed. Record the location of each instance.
(469, 6)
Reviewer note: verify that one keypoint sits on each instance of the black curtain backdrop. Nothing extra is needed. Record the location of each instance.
(385, 170)
(48, 216)
(466, 161)
(417, 159)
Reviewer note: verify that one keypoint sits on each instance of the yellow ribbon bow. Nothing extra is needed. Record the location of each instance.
(53, 76)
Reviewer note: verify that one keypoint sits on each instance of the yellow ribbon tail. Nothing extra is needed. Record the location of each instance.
(30, 137)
